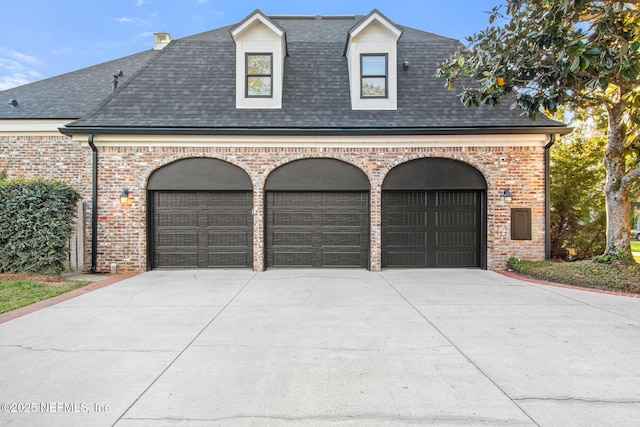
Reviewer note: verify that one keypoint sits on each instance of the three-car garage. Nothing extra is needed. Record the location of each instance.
(317, 213)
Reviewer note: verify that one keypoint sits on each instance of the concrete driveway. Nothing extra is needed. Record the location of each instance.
(324, 347)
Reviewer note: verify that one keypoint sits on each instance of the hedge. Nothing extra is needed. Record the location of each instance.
(36, 221)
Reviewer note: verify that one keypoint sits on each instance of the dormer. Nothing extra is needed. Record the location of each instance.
(372, 57)
(261, 47)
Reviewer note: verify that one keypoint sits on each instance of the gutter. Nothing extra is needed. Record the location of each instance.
(344, 131)
(94, 205)
(547, 197)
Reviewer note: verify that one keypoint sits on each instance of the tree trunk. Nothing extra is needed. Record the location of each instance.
(617, 188)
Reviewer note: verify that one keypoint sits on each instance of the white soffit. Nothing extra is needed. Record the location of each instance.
(31, 127)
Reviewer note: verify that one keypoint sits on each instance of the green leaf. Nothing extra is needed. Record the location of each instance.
(574, 64)
(584, 63)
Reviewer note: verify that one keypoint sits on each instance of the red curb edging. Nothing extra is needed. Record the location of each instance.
(28, 309)
(514, 275)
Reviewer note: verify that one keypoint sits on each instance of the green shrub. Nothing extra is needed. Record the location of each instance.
(611, 276)
(36, 221)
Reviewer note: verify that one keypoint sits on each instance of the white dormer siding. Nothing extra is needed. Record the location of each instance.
(375, 36)
(258, 38)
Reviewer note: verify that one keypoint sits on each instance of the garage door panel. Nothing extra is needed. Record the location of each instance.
(177, 219)
(406, 239)
(177, 259)
(454, 239)
(340, 200)
(341, 259)
(202, 229)
(179, 200)
(342, 219)
(227, 219)
(330, 229)
(292, 239)
(292, 218)
(457, 219)
(291, 199)
(342, 239)
(406, 259)
(185, 240)
(456, 259)
(238, 239)
(216, 259)
(292, 259)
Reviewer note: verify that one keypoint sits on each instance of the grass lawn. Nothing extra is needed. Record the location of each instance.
(635, 247)
(19, 290)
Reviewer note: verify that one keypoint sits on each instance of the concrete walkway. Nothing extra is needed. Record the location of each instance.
(324, 347)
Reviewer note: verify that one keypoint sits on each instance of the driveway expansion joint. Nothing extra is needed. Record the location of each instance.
(578, 399)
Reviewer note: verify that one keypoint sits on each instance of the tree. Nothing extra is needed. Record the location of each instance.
(578, 53)
(578, 221)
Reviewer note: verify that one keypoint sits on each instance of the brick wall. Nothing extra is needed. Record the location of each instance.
(51, 157)
(122, 229)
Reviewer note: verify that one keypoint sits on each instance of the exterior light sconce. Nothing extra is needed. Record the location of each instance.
(508, 197)
(405, 64)
(124, 197)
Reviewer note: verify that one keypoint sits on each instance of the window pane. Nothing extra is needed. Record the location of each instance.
(259, 86)
(259, 64)
(374, 65)
(374, 86)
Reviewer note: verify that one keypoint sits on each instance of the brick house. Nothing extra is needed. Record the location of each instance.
(309, 141)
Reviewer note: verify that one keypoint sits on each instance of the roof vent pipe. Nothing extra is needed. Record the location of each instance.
(162, 39)
(114, 82)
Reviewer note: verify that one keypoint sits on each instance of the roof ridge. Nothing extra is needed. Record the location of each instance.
(294, 16)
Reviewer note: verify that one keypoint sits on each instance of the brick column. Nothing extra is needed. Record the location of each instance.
(258, 227)
(376, 227)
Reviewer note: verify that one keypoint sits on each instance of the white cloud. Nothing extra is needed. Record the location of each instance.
(17, 69)
(8, 82)
(123, 20)
(142, 2)
(63, 51)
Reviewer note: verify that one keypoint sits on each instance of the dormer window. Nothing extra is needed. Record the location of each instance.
(372, 58)
(373, 82)
(261, 47)
(259, 75)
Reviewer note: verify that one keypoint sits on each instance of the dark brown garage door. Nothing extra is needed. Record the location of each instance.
(431, 228)
(202, 229)
(317, 229)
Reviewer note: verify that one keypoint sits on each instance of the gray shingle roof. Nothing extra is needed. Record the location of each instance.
(71, 95)
(190, 84)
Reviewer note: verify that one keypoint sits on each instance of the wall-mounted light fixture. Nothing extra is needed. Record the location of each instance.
(508, 197)
(124, 197)
(405, 64)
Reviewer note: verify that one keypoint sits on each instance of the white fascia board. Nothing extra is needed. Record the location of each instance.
(250, 21)
(381, 141)
(32, 127)
(376, 17)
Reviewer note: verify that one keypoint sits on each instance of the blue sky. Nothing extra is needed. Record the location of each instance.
(44, 38)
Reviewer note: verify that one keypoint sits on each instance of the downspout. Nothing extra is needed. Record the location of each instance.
(94, 206)
(547, 197)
